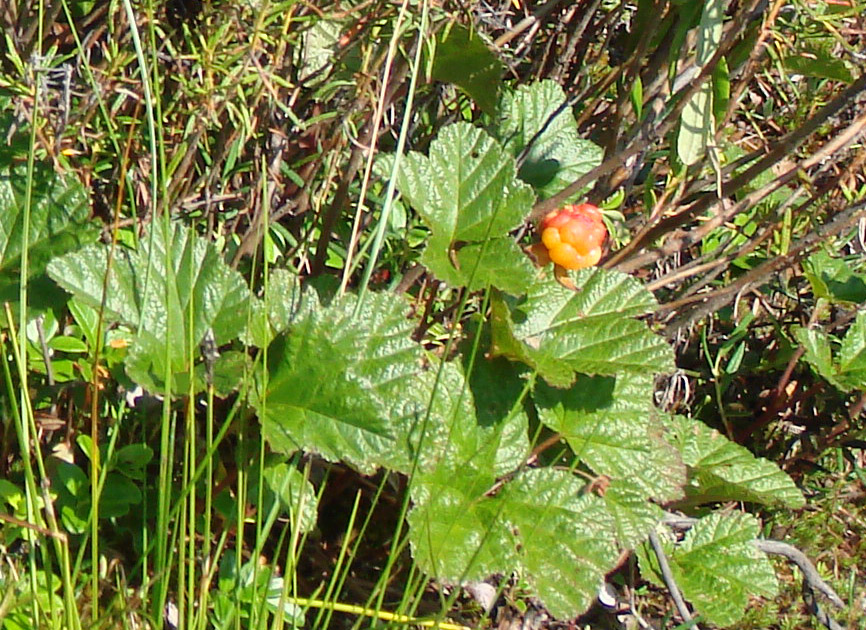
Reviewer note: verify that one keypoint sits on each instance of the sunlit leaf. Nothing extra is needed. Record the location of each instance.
(610, 424)
(592, 330)
(633, 515)
(538, 523)
(294, 492)
(172, 290)
(696, 126)
(845, 370)
(718, 567)
(467, 193)
(538, 126)
(356, 388)
(720, 470)
(59, 222)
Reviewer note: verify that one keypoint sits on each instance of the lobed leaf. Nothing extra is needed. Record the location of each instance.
(610, 425)
(354, 387)
(567, 540)
(467, 194)
(536, 119)
(173, 289)
(634, 516)
(457, 533)
(538, 524)
(720, 470)
(322, 376)
(718, 567)
(59, 222)
(591, 331)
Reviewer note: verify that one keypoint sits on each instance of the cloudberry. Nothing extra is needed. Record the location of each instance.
(573, 235)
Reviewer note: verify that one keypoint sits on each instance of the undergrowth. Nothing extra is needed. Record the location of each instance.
(280, 348)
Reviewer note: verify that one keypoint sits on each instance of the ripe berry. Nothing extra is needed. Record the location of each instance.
(573, 235)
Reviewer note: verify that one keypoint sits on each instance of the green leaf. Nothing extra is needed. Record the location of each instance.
(131, 460)
(275, 311)
(816, 59)
(73, 496)
(852, 356)
(119, 494)
(11, 494)
(696, 121)
(696, 126)
(720, 470)
(718, 567)
(636, 97)
(833, 279)
(463, 59)
(709, 31)
(721, 82)
(70, 345)
(847, 371)
(59, 222)
(292, 612)
(318, 50)
(467, 193)
(567, 541)
(354, 388)
(294, 492)
(592, 330)
(501, 416)
(816, 344)
(456, 532)
(230, 370)
(73, 480)
(609, 423)
(87, 319)
(558, 155)
(81, 8)
(322, 374)
(634, 516)
(171, 303)
(539, 524)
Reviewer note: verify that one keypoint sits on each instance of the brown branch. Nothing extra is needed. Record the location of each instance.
(707, 202)
(651, 129)
(716, 300)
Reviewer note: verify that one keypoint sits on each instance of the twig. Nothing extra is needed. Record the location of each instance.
(627, 259)
(820, 614)
(810, 573)
(679, 602)
(651, 129)
(8, 518)
(409, 278)
(718, 298)
(812, 580)
(525, 23)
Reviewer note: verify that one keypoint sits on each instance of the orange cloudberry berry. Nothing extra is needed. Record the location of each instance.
(573, 235)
